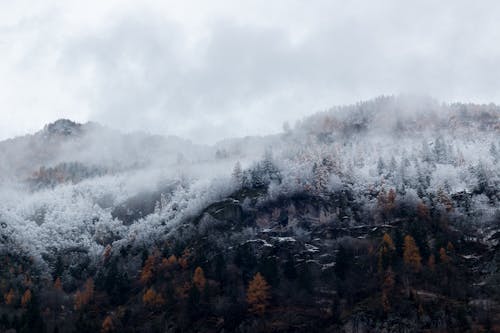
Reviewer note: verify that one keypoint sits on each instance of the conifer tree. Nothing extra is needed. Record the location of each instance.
(199, 278)
(411, 254)
(258, 294)
(385, 252)
(26, 299)
(107, 325)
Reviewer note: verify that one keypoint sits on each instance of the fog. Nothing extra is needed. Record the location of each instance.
(207, 72)
(85, 186)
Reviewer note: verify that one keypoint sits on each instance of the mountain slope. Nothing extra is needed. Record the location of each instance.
(373, 217)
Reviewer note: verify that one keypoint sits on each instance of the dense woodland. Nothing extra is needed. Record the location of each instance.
(382, 216)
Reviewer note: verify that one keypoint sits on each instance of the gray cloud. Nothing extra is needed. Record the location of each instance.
(232, 73)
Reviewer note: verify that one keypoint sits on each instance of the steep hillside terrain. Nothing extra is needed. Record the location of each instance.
(382, 216)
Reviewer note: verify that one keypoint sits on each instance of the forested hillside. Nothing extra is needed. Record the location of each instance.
(382, 216)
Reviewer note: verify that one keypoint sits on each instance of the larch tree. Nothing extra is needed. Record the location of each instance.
(84, 297)
(258, 294)
(199, 278)
(147, 272)
(153, 299)
(26, 298)
(9, 297)
(107, 325)
(411, 254)
(385, 252)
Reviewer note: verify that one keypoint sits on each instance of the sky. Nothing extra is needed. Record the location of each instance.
(209, 70)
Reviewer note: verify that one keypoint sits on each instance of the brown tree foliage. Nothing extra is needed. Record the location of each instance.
(82, 298)
(9, 297)
(411, 254)
(26, 299)
(147, 272)
(107, 325)
(199, 278)
(258, 294)
(385, 252)
(153, 299)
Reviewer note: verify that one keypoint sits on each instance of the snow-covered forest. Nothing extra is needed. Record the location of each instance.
(378, 216)
(86, 186)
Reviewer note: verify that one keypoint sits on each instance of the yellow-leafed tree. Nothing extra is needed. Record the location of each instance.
(385, 252)
(258, 294)
(411, 254)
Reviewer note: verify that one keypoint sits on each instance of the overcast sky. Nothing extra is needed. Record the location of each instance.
(207, 70)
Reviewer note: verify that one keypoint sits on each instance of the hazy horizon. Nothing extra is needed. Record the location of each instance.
(209, 72)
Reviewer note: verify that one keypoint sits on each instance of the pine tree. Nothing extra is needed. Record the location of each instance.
(258, 294)
(238, 174)
(411, 254)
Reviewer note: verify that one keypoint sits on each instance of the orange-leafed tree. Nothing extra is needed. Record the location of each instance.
(385, 252)
(168, 264)
(199, 278)
(153, 299)
(107, 325)
(147, 272)
(9, 297)
(84, 297)
(258, 294)
(411, 254)
(26, 298)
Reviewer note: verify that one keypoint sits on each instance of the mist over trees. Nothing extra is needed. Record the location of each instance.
(76, 199)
